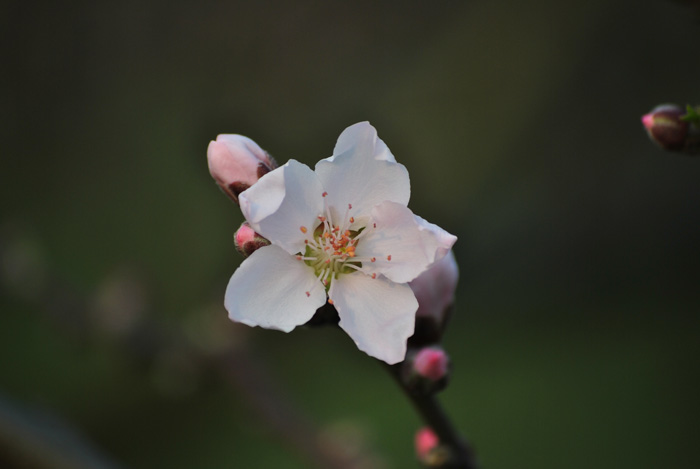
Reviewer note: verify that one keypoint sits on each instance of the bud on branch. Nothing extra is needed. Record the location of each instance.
(674, 128)
(237, 162)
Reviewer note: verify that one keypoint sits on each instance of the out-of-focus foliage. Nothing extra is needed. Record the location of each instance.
(574, 339)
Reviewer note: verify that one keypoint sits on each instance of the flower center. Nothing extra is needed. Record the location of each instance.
(330, 250)
(330, 247)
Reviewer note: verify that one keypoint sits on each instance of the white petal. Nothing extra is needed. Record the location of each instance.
(432, 232)
(363, 174)
(362, 134)
(379, 315)
(402, 244)
(282, 202)
(274, 290)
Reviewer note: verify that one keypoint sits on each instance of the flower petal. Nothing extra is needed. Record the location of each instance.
(402, 244)
(379, 315)
(362, 135)
(432, 232)
(362, 174)
(274, 290)
(282, 202)
(435, 288)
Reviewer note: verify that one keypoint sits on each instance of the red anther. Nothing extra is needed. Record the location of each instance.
(352, 219)
(349, 206)
(330, 301)
(388, 257)
(303, 229)
(328, 261)
(374, 225)
(308, 294)
(374, 275)
(298, 258)
(374, 259)
(324, 194)
(322, 218)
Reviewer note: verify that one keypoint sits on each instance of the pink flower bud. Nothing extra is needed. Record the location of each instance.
(237, 162)
(247, 241)
(435, 288)
(431, 363)
(426, 442)
(672, 128)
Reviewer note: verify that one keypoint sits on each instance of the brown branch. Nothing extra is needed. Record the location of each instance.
(461, 454)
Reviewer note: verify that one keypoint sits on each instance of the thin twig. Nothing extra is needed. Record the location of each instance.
(461, 454)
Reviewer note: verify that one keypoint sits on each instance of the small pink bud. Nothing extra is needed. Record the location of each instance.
(669, 126)
(237, 162)
(425, 370)
(431, 363)
(426, 442)
(247, 241)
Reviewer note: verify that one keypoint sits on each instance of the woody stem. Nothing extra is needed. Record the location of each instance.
(461, 453)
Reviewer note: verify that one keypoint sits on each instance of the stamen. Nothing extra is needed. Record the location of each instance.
(324, 194)
(352, 219)
(374, 275)
(303, 229)
(330, 301)
(308, 294)
(388, 257)
(374, 259)
(304, 258)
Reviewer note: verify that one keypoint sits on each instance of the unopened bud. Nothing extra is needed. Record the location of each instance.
(435, 292)
(428, 449)
(425, 370)
(425, 440)
(237, 162)
(674, 128)
(247, 241)
(431, 363)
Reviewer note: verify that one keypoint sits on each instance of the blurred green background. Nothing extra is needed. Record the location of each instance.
(575, 339)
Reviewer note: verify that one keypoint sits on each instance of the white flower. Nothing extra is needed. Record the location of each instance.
(343, 231)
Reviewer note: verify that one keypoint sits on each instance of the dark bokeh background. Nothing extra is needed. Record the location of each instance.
(575, 338)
